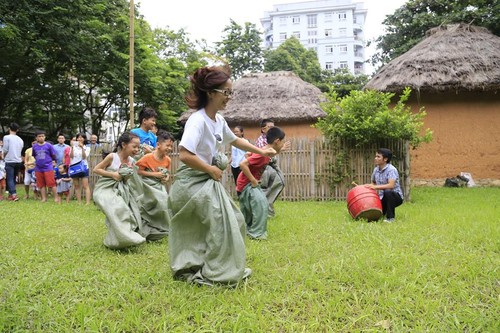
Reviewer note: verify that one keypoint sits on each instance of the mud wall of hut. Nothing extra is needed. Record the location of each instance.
(466, 136)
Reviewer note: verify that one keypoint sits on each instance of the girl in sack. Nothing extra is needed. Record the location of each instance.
(115, 197)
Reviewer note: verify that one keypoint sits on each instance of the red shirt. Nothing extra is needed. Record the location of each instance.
(256, 163)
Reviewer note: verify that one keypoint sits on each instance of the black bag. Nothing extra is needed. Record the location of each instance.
(458, 181)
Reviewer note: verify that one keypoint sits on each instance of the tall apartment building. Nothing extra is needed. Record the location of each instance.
(333, 28)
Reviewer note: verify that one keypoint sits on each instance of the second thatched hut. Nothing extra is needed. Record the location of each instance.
(455, 74)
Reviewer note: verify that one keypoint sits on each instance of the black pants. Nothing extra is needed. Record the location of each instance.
(390, 201)
(236, 172)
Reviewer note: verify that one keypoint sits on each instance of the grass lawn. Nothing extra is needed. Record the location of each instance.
(437, 269)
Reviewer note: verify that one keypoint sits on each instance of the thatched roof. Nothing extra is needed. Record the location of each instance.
(281, 96)
(456, 57)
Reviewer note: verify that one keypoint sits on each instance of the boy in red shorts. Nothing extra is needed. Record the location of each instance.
(45, 159)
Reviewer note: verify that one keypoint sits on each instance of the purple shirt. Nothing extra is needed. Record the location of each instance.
(44, 155)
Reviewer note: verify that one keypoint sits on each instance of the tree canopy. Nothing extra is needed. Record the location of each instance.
(241, 48)
(408, 24)
(341, 81)
(293, 56)
(64, 65)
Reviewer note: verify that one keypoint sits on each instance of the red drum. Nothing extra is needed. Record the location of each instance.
(363, 202)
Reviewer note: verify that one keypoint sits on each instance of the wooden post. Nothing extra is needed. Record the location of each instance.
(407, 182)
(131, 63)
(312, 167)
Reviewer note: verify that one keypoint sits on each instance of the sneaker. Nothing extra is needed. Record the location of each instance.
(13, 197)
(389, 220)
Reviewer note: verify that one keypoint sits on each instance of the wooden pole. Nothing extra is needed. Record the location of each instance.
(131, 63)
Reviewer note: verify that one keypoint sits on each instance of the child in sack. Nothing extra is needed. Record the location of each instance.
(253, 202)
(113, 194)
(154, 169)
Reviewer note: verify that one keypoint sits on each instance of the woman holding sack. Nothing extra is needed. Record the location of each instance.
(207, 229)
(78, 161)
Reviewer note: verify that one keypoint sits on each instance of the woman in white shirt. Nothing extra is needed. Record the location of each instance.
(80, 152)
(207, 229)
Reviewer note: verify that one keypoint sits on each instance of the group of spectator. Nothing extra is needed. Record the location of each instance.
(47, 166)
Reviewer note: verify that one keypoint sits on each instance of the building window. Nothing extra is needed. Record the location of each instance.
(343, 48)
(312, 37)
(342, 31)
(342, 16)
(329, 49)
(329, 65)
(328, 17)
(282, 20)
(296, 34)
(328, 33)
(343, 64)
(282, 36)
(296, 19)
(312, 21)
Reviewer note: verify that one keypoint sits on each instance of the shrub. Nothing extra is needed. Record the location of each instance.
(365, 117)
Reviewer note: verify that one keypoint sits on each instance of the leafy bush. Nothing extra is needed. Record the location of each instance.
(365, 117)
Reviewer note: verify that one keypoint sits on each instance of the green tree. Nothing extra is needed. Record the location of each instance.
(292, 56)
(407, 26)
(179, 58)
(241, 48)
(341, 81)
(36, 49)
(62, 63)
(366, 117)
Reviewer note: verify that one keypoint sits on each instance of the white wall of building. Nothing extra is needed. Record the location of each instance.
(333, 28)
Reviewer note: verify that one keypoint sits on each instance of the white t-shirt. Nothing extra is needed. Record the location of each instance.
(77, 155)
(204, 137)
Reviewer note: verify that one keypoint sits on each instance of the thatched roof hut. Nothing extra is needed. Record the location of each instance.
(454, 74)
(457, 57)
(282, 96)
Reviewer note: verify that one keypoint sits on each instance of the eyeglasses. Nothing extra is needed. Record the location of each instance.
(226, 93)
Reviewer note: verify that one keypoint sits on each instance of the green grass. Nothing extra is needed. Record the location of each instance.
(435, 270)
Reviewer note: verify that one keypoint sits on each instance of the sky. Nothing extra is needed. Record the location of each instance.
(206, 19)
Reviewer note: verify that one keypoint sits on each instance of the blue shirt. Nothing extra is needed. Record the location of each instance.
(60, 152)
(381, 177)
(145, 137)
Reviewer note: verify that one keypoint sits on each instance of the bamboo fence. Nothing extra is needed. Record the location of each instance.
(316, 169)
